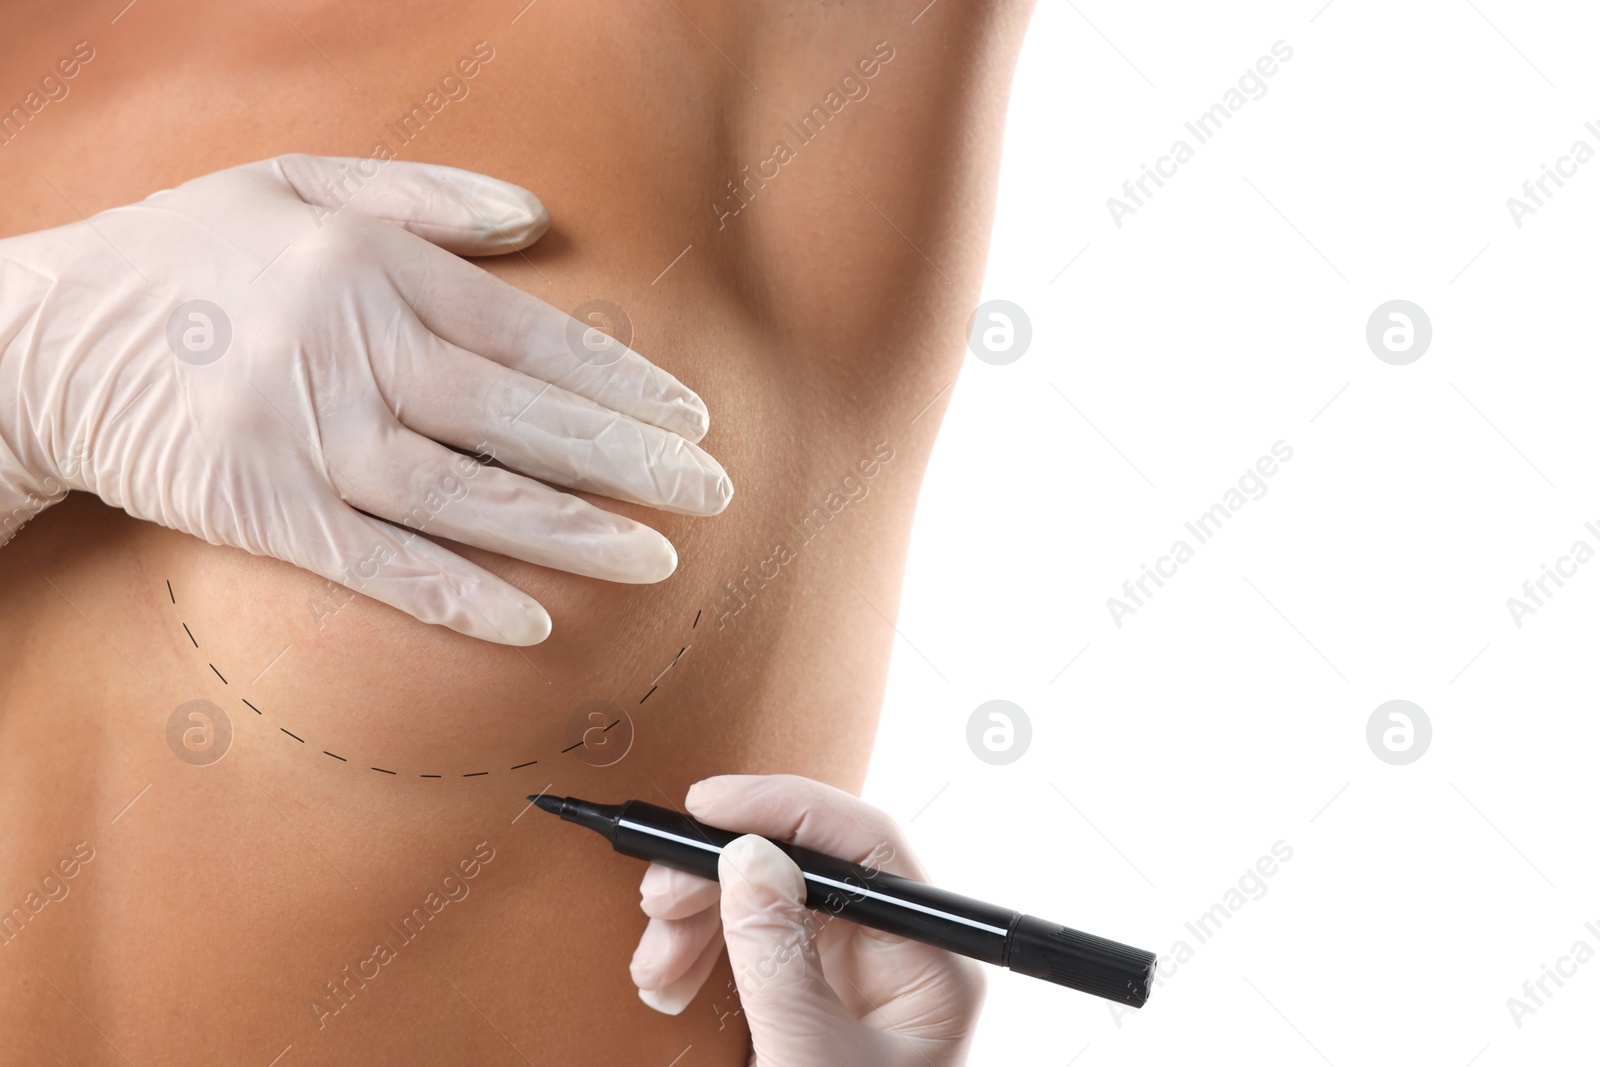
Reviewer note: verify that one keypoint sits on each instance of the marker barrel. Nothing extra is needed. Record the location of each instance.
(875, 898)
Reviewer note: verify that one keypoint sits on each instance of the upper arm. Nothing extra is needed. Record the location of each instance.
(859, 192)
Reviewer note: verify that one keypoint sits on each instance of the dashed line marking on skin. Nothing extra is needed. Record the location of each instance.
(173, 597)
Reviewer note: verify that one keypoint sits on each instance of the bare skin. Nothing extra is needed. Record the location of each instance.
(821, 314)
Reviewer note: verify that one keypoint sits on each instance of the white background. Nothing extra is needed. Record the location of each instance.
(1230, 712)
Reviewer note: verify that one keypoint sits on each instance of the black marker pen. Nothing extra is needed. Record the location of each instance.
(884, 901)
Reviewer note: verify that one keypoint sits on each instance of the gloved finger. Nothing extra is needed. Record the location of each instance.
(474, 310)
(407, 571)
(772, 948)
(801, 811)
(668, 948)
(672, 998)
(665, 893)
(420, 484)
(548, 433)
(460, 211)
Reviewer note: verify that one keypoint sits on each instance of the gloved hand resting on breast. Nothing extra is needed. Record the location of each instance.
(290, 358)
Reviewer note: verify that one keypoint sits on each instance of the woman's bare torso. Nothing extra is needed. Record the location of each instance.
(311, 889)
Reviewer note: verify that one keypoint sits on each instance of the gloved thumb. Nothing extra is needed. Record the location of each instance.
(461, 211)
(772, 949)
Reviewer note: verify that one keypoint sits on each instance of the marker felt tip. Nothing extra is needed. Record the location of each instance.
(870, 897)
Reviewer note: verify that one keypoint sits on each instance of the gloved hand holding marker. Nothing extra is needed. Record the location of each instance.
(770, 883)
(262, 355)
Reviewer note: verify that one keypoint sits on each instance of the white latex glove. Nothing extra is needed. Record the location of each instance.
(815, 989)
(346, 346)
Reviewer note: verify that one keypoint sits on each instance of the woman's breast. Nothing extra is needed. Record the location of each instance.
(284, 784)
(541, 101)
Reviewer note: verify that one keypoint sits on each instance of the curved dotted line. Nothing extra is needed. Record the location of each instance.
(384, 770)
